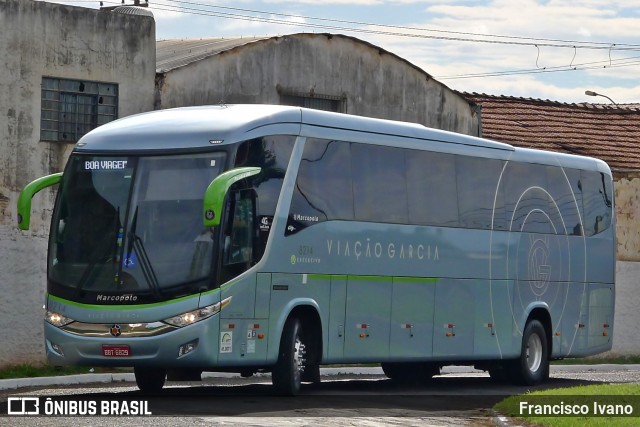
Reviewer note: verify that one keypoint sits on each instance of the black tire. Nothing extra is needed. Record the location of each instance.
(311, 372)
(288, 372)
(532, 367)
(150, 380)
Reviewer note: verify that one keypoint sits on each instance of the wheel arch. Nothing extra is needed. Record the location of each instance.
(542, 315)
(308, 312)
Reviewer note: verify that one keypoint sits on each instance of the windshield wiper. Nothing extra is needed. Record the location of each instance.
(136, 243)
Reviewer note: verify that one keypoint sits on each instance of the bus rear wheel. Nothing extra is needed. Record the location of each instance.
(532, 367)
(292, 359)
(150, 380)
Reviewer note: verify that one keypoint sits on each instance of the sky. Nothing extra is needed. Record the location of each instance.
(554, 49)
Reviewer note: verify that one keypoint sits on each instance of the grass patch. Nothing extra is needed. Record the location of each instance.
(26, 370)
(615, 360)
(602, 395)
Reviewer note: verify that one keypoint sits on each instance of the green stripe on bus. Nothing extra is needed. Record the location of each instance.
(416, 279)
(123, 307)
(375, 278)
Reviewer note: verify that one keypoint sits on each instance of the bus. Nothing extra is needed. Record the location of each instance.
(257, 238)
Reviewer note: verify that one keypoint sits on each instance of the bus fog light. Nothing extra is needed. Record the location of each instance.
(57, 319)
(55, 347)
(187, 348)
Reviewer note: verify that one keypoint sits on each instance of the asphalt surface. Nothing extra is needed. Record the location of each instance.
(608, 372)
(461, 396)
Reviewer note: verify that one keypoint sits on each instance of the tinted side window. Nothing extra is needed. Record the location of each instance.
(272, 154)
(597, 202)
(431, 187)
(323, 189)
(477, 181)
(527, 201)
(566, 203)
(379, 185)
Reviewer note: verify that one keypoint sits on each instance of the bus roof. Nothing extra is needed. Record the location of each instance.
(200, 127)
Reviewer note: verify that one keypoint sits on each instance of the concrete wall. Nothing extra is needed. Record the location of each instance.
(627, 191)
(374, 82)
(626, 339)
(42, 39)
(626, 335)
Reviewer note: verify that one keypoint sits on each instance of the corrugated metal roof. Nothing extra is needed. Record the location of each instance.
(604, 131)
(172, 54)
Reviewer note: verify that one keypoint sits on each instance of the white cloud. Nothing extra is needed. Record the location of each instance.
(605, 21)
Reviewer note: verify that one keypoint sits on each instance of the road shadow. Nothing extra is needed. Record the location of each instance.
(445, 396)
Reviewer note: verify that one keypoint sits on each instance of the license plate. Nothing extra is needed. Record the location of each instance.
(116, 351)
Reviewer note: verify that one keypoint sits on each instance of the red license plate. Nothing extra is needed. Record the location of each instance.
(116, 351)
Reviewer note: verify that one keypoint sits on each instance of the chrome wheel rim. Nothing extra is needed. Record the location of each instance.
(299, 359)
(534, 353)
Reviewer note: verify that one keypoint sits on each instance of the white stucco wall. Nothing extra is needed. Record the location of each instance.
(43, 39)
(626, 336)
(627, 189)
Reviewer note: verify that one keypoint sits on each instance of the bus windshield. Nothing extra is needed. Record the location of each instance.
(133, 224)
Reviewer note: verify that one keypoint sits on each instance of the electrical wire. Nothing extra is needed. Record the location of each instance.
(616, 63)
(176, 6)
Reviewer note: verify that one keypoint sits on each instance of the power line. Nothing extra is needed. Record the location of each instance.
(537, 42)
(616, 63)
(176, 6)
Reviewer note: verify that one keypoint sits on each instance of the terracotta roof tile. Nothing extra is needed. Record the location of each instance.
(608, 132)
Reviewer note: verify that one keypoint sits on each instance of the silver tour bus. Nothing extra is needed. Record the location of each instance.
(255, 238)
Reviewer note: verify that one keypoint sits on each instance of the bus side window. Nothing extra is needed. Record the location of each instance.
(597, 201)
(480, 207)
(271, 154)
(239, 234)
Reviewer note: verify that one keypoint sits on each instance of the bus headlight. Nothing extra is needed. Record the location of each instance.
(194, 316)
(57, 319)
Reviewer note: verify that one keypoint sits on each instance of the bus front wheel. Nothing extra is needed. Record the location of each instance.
(532, 367)
(150, 380)
(292, 359)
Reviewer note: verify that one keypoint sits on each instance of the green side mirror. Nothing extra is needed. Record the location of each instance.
(24, 199)
(217, 190)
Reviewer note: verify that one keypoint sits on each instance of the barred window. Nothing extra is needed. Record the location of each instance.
(71, 108)
(337, 104)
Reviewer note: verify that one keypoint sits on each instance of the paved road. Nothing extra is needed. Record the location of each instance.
(344, 398)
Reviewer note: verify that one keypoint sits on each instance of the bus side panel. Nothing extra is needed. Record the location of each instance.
(600, 327)
(453, 332)
(572, 327)
(593, 332)
(600, 267)
(243, 293)
(334, 350)
(238, 342)
(263, 295)
(412, 310)
(493, 320)
(367, 318)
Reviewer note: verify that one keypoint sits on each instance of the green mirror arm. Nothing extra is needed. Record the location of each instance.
(24, 199)
(217, 190)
